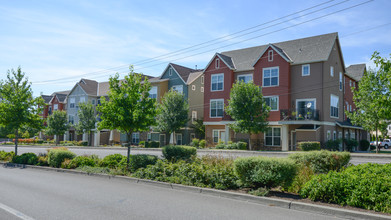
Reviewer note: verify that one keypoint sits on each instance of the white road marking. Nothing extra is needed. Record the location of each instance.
(15, 212)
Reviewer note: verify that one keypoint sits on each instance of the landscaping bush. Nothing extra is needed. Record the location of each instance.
(81, 161)
(26, 158)
(233, 146)
(195, 143)
(265, 171)
(203, 172)
(112, 161)
(141, 144)
(57, 155)
(42, 160)
(152, 144)
(178, 152)
(350, 144)
(82, 143)
(332, 145)
(202, 144)
(365, 186)
(88, 169)
(309, 145)
(141, 161)
(322, 161)
(303, 175)
(6, 156)
(364, 144)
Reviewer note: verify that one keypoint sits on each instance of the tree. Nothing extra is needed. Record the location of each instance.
(199, 128)
(129, 107)
(372, 98)
(57, 124)
(18, 108)
(173, 113)
(248, 108)
(87, 120)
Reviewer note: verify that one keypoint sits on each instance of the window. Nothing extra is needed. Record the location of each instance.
(153, 92)
(245, 78)
(354, 84)
(270, 76)
(178, 88)
(328, 135)
(149, 137)
(273, 137)
(193, 87)
(93, 101)
(71, 119)
(217, 82)
(340, 81)
(305, 70)
(331, 71)
(350, 108)
(216, 108)
(50, 110)
(135, 138)
(217, 63)
(170, 72)
(270, 56)
(334, 103)
(350, 83)
(179, 139)
(71, 102)
(334, 135)
(202, 89)
(218, 135)
(272, 101)
(98, 101)
(306, 108)
(55, 107)
(82, 99)
(202, 79)
(193, 116)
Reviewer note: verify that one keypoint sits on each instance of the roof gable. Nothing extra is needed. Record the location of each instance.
(226, 59)
(278, 50)
(356, 71)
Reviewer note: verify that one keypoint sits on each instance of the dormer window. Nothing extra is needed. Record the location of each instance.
(170, 72)
(217, 64)
(270, 56)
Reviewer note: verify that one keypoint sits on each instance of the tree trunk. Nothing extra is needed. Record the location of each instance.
(128, 153)
(250, 147)
(16, 142)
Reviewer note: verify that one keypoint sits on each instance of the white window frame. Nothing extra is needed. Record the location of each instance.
(193, 87)
(176, 88)
(149, 136)
(332, 95)
(71, 119)
(170, 71)
(93, 101)
(72, 101)
(217, 63)
(302, 70)
(193, 116)
(278, 76)
(177, 139)
(202, 89)
(136, 136)
(265, 136)
(331, 71)
(328, 135)
(218, 135)
(82, 99)
(245, 75)
(334, 135)
(350, 82)
(211, 82)
(153, 92)
(210, 108)
(55, 107)
(278, 102)
(303, 100)
(202, 79)
(340, 81)
(270, 55)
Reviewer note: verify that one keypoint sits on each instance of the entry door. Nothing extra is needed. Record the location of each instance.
(162, 140)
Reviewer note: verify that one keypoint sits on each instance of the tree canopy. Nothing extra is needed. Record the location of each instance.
(18, 108)
(173, 113)
(87, 119)
(57, 124)
(248, 109)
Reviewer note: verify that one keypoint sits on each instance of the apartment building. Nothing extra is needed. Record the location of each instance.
(302, 81)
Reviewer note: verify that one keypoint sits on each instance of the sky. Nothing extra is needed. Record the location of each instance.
(56, 43)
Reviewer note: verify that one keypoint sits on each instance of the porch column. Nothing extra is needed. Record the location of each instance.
(285, 137)
(55, 138)
(227, 138)
(111, 138)
(66, 135)
(97, 138)
(85, 136)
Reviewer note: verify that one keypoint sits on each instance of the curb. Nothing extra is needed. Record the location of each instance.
(287, 204)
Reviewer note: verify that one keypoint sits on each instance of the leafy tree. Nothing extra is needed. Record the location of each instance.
(248, 108)
(172, 113)
(373, 97)
(57, 124)
(129, 107)
(18, 108)
(87, 120)
(199, 128)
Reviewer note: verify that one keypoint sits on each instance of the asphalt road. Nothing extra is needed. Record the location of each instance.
(102, 152)
(39, 194)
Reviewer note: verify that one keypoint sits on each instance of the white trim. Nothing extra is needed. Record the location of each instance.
(263, 76)
(193, 87)
(337, 106)
(217, 63)
(216, 54)
(170, 72)
(247, 74)
(328, 135)
(202, 89)
(332, 71)
(211, 84)
(218, 122)
(340, 81)
(169, 65)
(210, 108)
(278, 102)
(270, 54)
(218, 134)
(274, 48)
(301, 100)
(302, 69)
(176, 138)
(202, 79)
(264, 136)
(192, 116)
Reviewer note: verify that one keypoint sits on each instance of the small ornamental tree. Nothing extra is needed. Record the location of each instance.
(18, 108)
(129, 107)
(57, 124)
(248, 108)
(87, 120)
(172, 113)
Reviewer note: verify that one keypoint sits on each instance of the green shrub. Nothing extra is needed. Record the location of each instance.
(309, 145)
(141, 161)
(322, 161)
(26, 158)
(232, 146)
(303, 175)
(112, 161)
(364, 144)
(260, 192)
(81, 161)
(209, 172)
(82, 143)
(332, 145)
(195, 143)
(88, 169)
(6, 156)
(350, 144)
(42, 160)
(57, 156)
(141, 144)
(365, 186)
(265, 171)
(202, 143)
(178, 152)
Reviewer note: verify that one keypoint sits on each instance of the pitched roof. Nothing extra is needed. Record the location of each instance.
(66, 92)
(193, 76)
(103, 88)
(304, 50)
(183, 72)
(89, 86)
(356, 71)
(227, 60)
(47, 98)
(61, 97)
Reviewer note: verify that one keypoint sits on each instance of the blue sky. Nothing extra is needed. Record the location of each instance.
(58, 42)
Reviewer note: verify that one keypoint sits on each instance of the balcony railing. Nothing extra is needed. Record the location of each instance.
(299, 114)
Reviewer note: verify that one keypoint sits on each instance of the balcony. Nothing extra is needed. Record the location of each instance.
(308, 114)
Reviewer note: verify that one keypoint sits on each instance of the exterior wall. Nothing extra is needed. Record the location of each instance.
(174, 79)
(162, 88)
(284, 86)
(77, 93)
(208, 94)
(348, 94)
(196, 98)
(55, 101)
(302, 136)
(209, 132)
